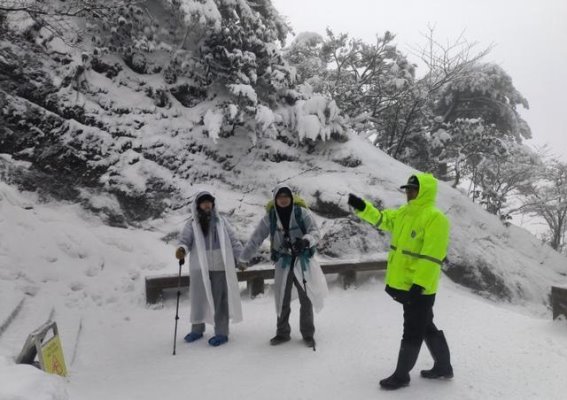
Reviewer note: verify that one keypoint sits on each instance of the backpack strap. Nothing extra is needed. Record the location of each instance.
(273, 222)
(274, 255)
(299, 219)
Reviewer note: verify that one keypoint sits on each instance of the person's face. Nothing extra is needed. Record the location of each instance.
(206, 206)
(411, 193)
(283, 200)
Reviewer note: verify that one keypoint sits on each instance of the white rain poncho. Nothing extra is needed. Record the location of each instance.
(315, 280)
(200, 294)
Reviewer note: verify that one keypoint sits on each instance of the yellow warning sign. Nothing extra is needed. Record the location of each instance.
(52, 357)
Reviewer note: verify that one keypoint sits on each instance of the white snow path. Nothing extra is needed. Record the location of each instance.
(497, 353)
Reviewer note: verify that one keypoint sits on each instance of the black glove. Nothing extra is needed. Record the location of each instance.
(356, 202)
(299, 245)
(414, 294)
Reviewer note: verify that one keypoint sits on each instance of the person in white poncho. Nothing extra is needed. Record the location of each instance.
(213, 289)
(293, 237)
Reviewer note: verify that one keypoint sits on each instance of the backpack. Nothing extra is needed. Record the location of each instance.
(298, 203)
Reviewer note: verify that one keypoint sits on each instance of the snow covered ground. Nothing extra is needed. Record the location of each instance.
(89, 278)
(497, 353)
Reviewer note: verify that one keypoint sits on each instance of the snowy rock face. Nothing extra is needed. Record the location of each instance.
(130, 112)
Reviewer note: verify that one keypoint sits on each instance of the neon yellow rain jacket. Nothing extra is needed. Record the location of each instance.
(420, 237)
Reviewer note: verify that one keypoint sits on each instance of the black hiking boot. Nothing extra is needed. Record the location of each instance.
(442, 369)
(309, 341)
(434, 373)
(279, 339)
(406, 361)
(394, 382)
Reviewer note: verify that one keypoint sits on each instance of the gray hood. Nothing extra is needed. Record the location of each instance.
(199, 194)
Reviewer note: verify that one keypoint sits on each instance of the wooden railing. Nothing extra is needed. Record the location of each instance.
(255, 277)
(559, 301)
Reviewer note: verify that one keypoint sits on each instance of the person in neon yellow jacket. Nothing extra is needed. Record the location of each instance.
(419, 241)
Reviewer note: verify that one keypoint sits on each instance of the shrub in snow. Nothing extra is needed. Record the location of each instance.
(137, 62)
(316, 118)
(102, 67)
(189, 95)
(159, 96)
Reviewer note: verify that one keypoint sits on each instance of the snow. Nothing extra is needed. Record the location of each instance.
(315, 105)
(308, 126)
(89, 276)
(27, 382)
(245, 91)
(307, 117)
(213, 123)
(19, 21)
(306, 38)
(58, 260)
(265, 118)
(207, 10)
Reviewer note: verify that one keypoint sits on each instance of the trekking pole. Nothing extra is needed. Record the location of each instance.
(305, 288)
(181, 262)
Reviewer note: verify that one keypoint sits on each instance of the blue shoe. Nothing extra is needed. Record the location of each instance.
(192, 336)
(218, 340)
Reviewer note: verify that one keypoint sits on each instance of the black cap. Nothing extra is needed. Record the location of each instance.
(413, 182)
(205, 197)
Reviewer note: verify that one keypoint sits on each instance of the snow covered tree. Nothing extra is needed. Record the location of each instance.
(484, 91)
(365, 78)
(497, 177)
(237, 57)
(496, 168)
(305, 55)
(415, 116)
(237, 46)
(55, 15)
(474, 122)
(466, 111)
(547, 198)
(368, 82)
(457, 148)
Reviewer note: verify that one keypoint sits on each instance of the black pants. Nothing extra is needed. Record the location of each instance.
(418, 320)
(306, 325)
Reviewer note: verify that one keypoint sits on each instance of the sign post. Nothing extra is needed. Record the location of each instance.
(50, 353)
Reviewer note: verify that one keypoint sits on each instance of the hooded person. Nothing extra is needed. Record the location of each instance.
(419, 242)
(293, 237)
(213, 289)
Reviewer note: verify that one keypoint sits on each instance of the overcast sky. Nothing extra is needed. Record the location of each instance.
(529, 38)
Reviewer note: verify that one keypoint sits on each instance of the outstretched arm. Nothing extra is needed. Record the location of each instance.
(384, 219)
(260, 233)
(312, 234)
(234, 242)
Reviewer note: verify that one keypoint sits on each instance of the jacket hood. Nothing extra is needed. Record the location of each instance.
(199, 194)
(427, 190)
(278, 188)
